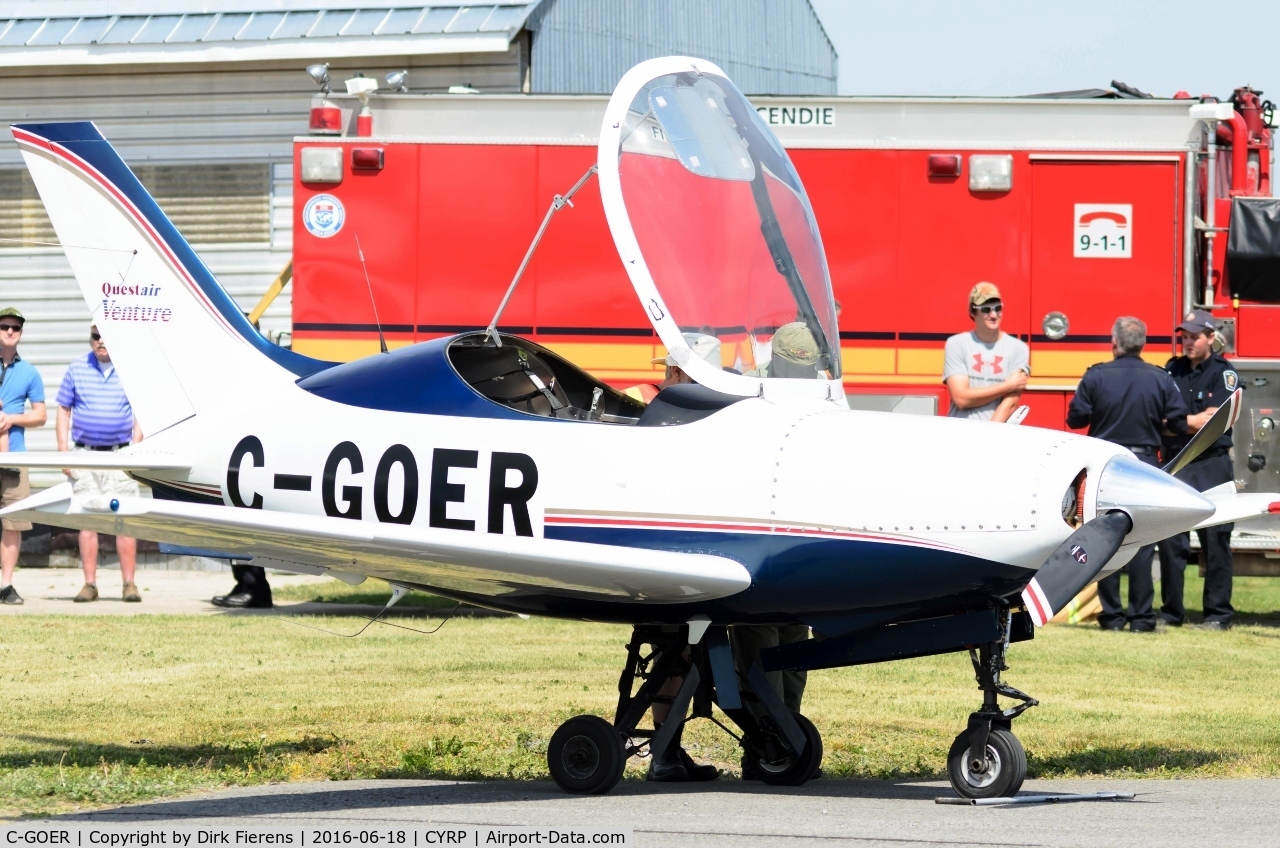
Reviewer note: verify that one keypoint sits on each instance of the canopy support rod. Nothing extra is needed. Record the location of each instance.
(557, 203)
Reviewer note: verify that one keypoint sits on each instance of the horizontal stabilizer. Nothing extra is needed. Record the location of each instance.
(464, 561)
(1230, 505)
(121, 460)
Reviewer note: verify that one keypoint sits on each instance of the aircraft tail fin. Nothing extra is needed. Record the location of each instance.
(180, 342)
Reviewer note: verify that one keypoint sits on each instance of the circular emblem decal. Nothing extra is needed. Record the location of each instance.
(323, 215)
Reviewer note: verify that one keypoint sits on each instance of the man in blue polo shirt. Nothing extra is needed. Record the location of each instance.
(94, 413)
(19, 383)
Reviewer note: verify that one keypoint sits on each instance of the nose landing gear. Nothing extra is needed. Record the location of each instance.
(987, 760)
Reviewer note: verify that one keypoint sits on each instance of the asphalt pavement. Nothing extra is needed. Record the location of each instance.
(732, 813)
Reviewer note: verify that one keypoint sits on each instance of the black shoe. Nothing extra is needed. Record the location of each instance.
(696, 771)
(9, 595)
(1170, 620)
(1114, 626)
(241, 600)
(749, 768)
(1212, 625)
(1144, 627)
(667, 771)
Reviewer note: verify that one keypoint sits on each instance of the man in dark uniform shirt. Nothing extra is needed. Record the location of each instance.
(1205, 380)
(1129, 402)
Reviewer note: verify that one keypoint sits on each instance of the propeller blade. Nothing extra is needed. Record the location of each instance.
(1221, 421)
(1074, 565)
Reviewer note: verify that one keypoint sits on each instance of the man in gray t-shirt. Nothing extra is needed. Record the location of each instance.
(985, 369)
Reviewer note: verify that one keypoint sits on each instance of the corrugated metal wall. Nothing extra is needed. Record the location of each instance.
(167, 115)
(766, 46)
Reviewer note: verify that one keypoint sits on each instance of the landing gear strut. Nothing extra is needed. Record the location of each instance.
(987, 760)
(587, 754)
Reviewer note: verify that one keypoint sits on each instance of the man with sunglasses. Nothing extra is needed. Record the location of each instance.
(19, 383)
(985, 369)
(94, 413)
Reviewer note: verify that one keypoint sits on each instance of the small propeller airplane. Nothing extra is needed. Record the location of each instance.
(488, 469)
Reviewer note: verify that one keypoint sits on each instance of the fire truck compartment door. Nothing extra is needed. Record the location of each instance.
(1104, 243)
(717, 234)
(1253, 249)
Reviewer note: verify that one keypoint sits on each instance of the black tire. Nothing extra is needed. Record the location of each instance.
(1004, 777)
(794, 771)
(586, 756)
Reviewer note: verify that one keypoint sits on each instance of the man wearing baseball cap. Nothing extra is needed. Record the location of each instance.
(19, 383)
(985, 369)
(1206, 380)
(703, 345)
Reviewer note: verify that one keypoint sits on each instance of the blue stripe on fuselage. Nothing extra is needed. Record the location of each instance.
(823, 576)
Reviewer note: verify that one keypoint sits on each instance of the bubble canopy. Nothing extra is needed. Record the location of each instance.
(716, 232)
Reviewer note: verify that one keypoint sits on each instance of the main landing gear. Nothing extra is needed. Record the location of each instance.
(587, 754)
(987, 760)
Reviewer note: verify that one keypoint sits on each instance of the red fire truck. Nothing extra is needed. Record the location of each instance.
(416, 216)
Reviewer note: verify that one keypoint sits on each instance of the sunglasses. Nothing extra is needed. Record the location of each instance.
(987, 310)
(11, 328)
(96, 336)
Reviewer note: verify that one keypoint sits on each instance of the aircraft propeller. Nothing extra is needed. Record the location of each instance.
(1136, 503)
(1074, 565)
(1220, 422)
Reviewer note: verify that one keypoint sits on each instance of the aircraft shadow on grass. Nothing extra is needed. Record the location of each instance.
(71, 753)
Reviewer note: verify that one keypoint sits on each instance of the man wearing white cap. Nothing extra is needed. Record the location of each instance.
(705, 346)
(985, 369)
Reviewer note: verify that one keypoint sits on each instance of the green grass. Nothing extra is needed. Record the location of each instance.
(106, 710)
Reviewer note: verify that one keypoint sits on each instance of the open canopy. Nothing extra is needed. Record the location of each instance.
(716, 231)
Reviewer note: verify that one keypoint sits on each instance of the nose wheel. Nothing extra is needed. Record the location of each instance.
(998, 774)
(987, 760)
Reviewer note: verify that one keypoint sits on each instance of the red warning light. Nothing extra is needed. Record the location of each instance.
(326, 120)
(944, 165)
(366, 158)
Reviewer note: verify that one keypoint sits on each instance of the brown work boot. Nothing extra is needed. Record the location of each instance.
(131, 595)
(88, 592)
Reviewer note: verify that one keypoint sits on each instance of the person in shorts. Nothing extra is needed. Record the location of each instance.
(95, 415)
(20, 383)
(985, 369)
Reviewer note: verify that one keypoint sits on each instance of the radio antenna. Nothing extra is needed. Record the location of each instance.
(557, 203)
(382, 341)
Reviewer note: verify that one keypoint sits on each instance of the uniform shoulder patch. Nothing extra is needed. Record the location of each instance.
(1232, 379)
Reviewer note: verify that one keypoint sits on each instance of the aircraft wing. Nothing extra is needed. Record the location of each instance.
(465, 561)
(121, 460)
(1234, 506)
